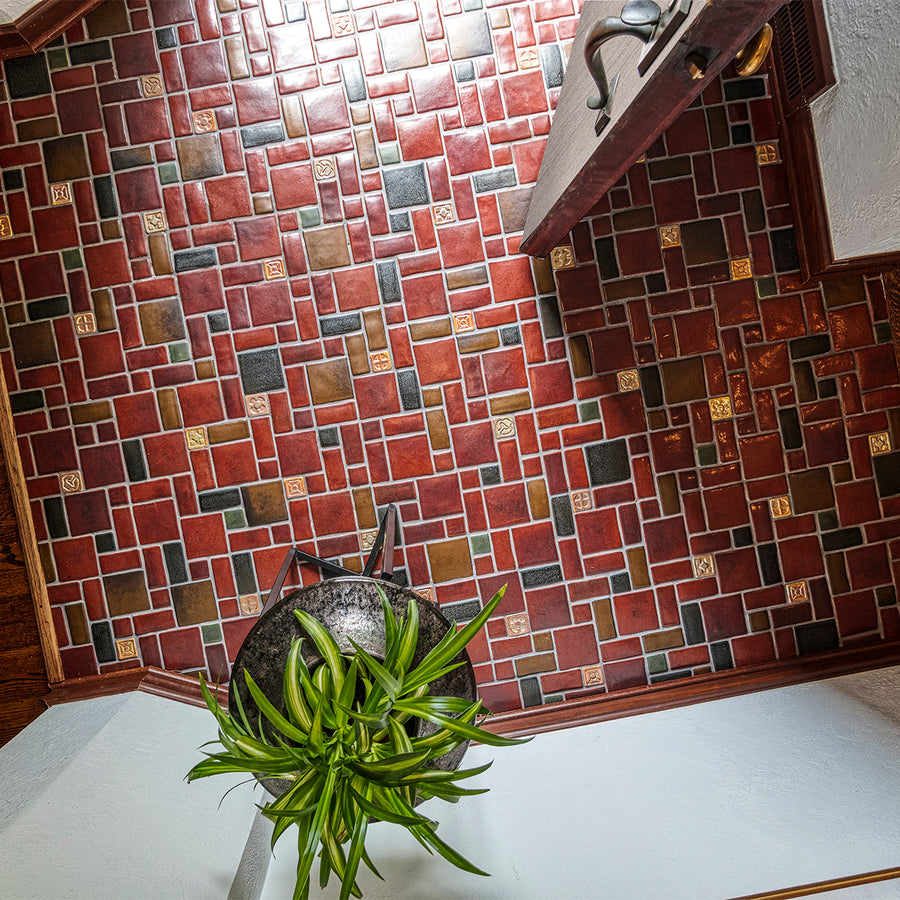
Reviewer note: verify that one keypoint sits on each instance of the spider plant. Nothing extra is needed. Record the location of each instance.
(348, 745)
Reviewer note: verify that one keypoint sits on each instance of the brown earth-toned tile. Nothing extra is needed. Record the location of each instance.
(33, 345)
(703, 242)
(262, 203)
(634, 218)
(468, 277)
(76, 619)
(810, 490)
(110, 229)
(329, 381)
(514, 208)
(844, 291)
(449, 560)
(161, 321)
(373, 322)
(292, 110)
(264, 503)
(581, 356)
(82, 413)
(603, 619)
(542, 641)
(365, 148)
(365, 508)
(200, 156)
(65, 158)
(837, 573)
(107, 19)
(637, 567)
(543, 275)
(126, 592)
(160, 258)
(205, 368)
(103, 310)
(663, 640)
(357, 353)
(327, 248)
(432, 396)
(538, 501)
(169, 410)
(437, 429)
(225, 432)
(236, 55)
(759, 620)
(531, 665)
(668, 495)
(47, 566)
(623, 290)
(510, 403)
(37, 130)
(683, 380)
(194, 603)
(432, 328)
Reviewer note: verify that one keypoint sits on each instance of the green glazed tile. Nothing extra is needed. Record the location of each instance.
(57, 58)
(706, 455)
(168, 173)
(179, 352)
(234, 518)
(766, 287)
(480, 543)
(588, 411)
(553, 698)
(309, 217)
(883, 332)
(828, 520)
(72, 259)
(212, 633)
(657, 664)
(390, 153)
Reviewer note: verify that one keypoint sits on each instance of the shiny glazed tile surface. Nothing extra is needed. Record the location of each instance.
(260, 277)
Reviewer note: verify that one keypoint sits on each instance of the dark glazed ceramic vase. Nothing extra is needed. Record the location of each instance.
(348, 608)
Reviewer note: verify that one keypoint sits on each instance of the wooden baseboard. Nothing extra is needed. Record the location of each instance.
(43, 22)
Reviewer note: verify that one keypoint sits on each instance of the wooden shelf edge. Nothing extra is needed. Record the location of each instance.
(39, 25)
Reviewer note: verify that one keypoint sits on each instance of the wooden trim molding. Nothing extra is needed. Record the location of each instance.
(40, 24)
(553, 717)
(33, 567)
(818, 887)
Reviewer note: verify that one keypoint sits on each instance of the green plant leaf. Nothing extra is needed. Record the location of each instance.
(308, 843)
(450, 646)
(446, 705)
(389, 684)
(409, 639)
(326, 645)
(273, 715)
(294, 700)
(357, 845)
(437, 776)
(472, 732)
(391, 629)
(344, 701)
(389, 769)
(447, 791)
(380, 807)
(225, 722)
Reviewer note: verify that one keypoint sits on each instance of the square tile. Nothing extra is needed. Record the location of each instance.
(780, 507)
(703, 566)
(880, 443)
(562, 258)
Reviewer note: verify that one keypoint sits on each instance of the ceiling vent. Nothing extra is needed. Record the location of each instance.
(802, 53)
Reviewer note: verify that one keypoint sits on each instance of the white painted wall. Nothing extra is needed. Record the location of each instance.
(10, 10)
(707, 802)
(93, 805)
(857, 127)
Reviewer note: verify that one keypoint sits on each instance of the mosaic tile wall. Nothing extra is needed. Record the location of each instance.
(260, 278)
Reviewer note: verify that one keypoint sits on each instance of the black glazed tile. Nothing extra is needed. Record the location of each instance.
(490, 475)
(131, 158)
(692, 621)
(745, 88)
(810, 346)
(389, 282)
(492, 181)
(55, 516)
(215, 501)
(134, 460)
(27, 76)
(754, 211)
(563, 519)
(669, 676)
(789, 423)
(354, 82)
(767, 554)
(805, 382)
(541, 576)
(784, 250)
(651, 386)
(551, 322)
(405, 186)
(187, 260)
(244, 578)
(742, 537)
(23, 401)
(510, 335)
(49, 308)
(741, 134)
(218, 321)
(408, 385)
(620, 582)
(552, 64)
(165, 38)
(176, 564)
(328, 437)
(101, 635)
(462, 612)
(887, 473)
(105, 543)
(656, 283)
(264, 133)
(720, 653)
(400, 222)
(95, 51)
(606, 258)
(333, 325)
(674, 167)
(817, 637)
(841, 540)
(13, 180)
(608, 462)
(531, 691)
(828, 520)
(260, 371)
(703, 242)
(107, 205)
(827, 388)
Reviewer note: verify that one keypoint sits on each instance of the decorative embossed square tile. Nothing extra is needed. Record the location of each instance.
(342, 25)
(154, 221)
(294, 487)
(443, 213)
(380, 361)
(273, 268)
(204, 121)
(797, 592)
(249, 604)
(766, 154)
(5, 227)
(196, 437)
(592, 676)
(529, 58)
(741, 268)
(628, 380)
(463, 321)
(879, 443)
(720, 407)
(704, 566)
(257, 404)
(152, 85)
(367, 538)
(504, 428)
(60, 193)
(427, 592)
(71, 482)
(517, 624)
(85, 323)
(669, 236)
(324, 168)
(780, 506)
(127, 648)
(562, 258)
(581, 500)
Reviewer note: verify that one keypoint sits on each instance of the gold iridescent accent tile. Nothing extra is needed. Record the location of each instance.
(249, 604)
(463, 321)
(797, 592)
(295, 487)
(204, 121)
(669, 236)
(71, 482)
(257, 404)
(592, 676)
(529, 58)
(342, 25)
(562, 258)
(628, 380)
(720, 408)
(5, 227)
(196, 437)
(581, 500)
(85, 323)
(60, 193)
(443, 213)
(741, 268)
(155, 221)
(152, 85)
(517, 624)
(126, 648)
(879, 443)
(367, 538)
(324, 167)
(273, 268)
(380, 361)
(780, 506)
(766, 154)
(704, 566)
(504, 428)
(427, 593)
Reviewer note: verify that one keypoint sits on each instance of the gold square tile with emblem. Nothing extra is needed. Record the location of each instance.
(295, 487)
(780, 507)
(71, 482)
(196, 437)
(592, 676)
(703, 566)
